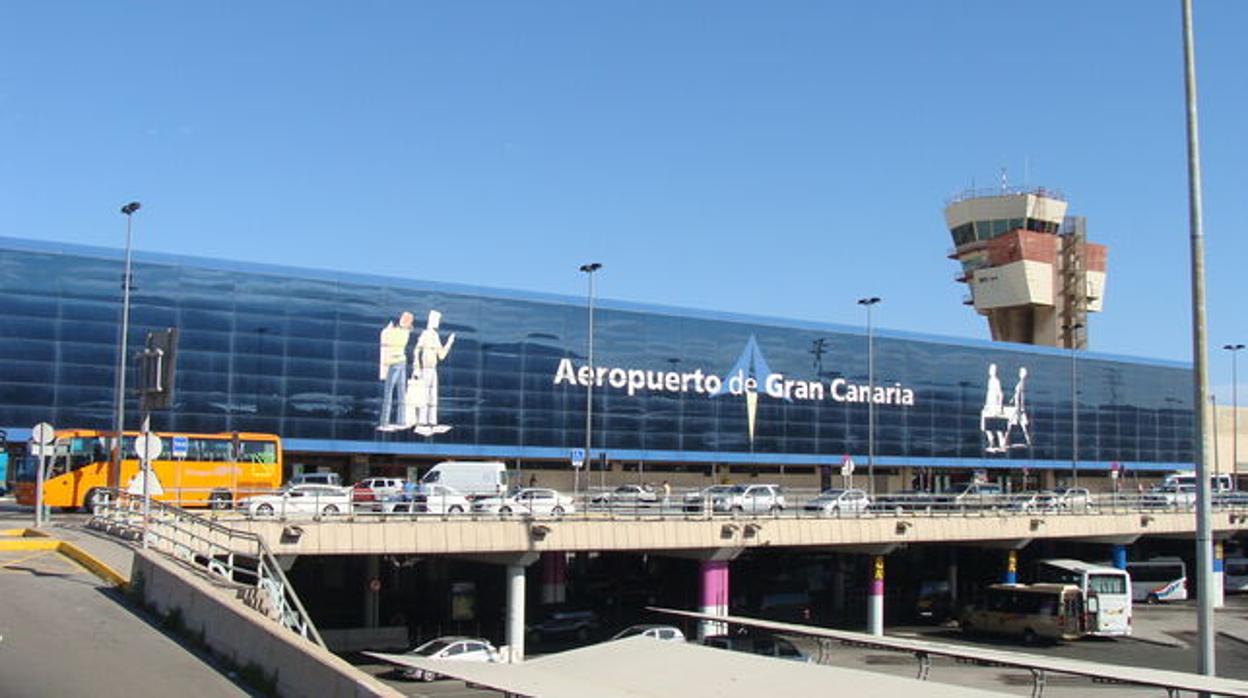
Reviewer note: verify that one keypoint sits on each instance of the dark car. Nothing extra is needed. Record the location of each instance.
(761, 644)
(566, 625)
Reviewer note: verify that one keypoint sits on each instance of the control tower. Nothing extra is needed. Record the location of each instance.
(1027, 265)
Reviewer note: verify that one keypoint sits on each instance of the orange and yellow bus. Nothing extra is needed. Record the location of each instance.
(193, 470)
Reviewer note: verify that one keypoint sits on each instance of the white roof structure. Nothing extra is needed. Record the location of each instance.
(641, 667)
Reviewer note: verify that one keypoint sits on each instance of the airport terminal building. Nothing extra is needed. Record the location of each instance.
(363, 373)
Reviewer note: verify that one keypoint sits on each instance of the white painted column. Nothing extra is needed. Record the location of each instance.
(875, 597)
(515, 613)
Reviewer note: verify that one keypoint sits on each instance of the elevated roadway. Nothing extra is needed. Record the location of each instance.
(362, 535)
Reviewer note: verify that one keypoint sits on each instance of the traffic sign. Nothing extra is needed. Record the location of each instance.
(181, 445)
(577, 457)
(148, 446)
(847, 466)
(43, 433)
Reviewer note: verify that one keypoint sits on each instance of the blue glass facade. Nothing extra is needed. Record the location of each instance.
(296, 353)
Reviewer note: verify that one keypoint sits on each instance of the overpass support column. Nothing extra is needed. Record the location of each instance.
(952, 576)
(554, 576)
(515, 613)
(713, 596)
(372, 591)
(1216, 580)
(1011, 568)
(1120, 556)
(515, 565)
(875, 607)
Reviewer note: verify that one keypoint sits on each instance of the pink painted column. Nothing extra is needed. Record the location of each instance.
(554, 577)
(875, 607)
(713, 596)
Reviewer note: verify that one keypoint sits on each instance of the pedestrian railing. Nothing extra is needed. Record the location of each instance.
(240, 558)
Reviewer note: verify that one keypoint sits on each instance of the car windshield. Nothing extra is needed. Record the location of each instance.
(629, 632)
(831, 494)
(721, 489)
(430, 648)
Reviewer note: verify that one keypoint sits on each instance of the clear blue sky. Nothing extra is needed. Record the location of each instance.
(781, 159)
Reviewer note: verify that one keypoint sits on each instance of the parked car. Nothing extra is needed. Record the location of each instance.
(1075, 499)
(976, 495)
(668, 633)
(626, 497)
(738, 499)
(426, 499)
(534, 501)
(839, 502)
(374, 489)
(300, 500)
(902, 501)
(317, 478)
(765, 645)
(696, 501)
(452, 648)
(1172, 496)
(1044, 502)
(935, 601)
(566, 625)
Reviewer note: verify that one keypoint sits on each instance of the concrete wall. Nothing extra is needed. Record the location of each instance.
(244, 636)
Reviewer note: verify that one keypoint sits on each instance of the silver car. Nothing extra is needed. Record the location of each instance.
(452, 648)
(839, 502)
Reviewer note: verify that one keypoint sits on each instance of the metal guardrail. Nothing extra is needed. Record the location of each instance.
(1039, 665)
(685, 504)
(237, 557)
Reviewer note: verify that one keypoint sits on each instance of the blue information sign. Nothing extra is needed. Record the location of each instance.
(180, 446)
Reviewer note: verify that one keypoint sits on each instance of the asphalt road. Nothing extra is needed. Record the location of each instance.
(63, 632)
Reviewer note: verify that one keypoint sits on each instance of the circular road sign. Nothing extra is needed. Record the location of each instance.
(148, 446)
(43, 434)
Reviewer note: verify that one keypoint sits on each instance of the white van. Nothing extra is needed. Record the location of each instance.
(471, 478)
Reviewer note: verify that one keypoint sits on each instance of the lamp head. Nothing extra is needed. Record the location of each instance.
(131, 207)
(1233, 347)
(869, 301)
(591, 267)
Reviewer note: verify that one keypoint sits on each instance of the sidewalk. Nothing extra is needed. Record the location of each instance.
(1170, 624)
(72, 528)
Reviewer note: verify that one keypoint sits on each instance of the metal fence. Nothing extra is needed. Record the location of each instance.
(239, 558)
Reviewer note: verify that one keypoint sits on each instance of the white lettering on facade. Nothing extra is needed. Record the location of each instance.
(634, 381)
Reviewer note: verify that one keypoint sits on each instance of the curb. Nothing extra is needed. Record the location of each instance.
(26, 539)
(1234, 637)
(1158, 643)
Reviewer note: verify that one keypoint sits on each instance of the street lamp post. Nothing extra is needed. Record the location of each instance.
(867, 303)
(1071, 332)
(1196, 238)
(589, 270)
(1234, 349)
(119, 413)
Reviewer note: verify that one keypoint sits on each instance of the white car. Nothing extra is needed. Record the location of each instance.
(428, 499)
(534, 501)
(300, 500)
(668, 633)
(839, 502)
(452, 648)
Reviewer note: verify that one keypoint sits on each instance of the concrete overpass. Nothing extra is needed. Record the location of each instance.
(493, 536)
